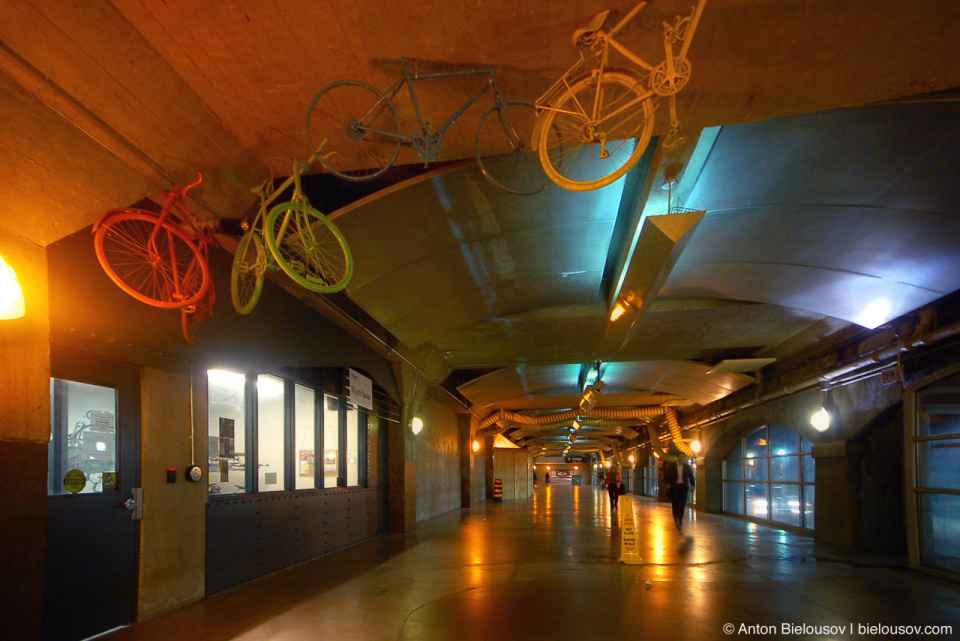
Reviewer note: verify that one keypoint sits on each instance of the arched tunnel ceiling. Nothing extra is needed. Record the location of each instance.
(828, 206)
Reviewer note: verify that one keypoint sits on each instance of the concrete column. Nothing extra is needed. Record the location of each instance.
(466, 460)
(838, 492)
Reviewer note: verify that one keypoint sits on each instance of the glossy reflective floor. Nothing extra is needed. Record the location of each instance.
(547, 568)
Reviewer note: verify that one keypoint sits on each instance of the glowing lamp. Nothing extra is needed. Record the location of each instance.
(820, 420)
(696, 447)
(416, 425)
(476, 445)
(11, 296)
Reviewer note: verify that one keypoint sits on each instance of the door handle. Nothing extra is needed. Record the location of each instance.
(135, 504)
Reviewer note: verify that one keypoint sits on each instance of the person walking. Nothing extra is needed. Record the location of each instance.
(614, 484)
(678, 478)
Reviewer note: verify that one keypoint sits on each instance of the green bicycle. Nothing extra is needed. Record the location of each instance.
(302, 242)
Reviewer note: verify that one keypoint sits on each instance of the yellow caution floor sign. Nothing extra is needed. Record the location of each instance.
(629, 549)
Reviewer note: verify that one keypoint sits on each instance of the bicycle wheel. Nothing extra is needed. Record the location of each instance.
(168, 271)
(308, 247)
(581, 153)
(503, 149)
(247, 273)
(362, 145)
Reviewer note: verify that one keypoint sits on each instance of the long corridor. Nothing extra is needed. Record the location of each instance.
(547, 568)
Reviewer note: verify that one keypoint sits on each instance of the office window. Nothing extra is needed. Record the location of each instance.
(331, 440)
(936, 451)
(769, 475)
(270, 431)
(305, 434)
(353, 445)
(226, 435)
(303, 439)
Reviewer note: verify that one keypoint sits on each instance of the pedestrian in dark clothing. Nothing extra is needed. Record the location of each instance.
(678, 478)
(614, 484)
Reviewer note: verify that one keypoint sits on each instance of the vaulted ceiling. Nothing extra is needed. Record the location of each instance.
(817, 192)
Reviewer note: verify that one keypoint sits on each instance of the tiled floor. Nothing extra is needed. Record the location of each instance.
(547, 568)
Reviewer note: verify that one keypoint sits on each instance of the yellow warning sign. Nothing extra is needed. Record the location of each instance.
(74, 481)
(109, 481)
(629, 549)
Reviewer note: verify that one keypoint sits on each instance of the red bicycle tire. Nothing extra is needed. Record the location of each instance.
(174, 276)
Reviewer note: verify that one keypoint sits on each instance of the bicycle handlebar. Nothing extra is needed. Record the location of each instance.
(199, 180)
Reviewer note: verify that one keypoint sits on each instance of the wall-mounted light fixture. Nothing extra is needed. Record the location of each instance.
(11, 295)
(822, 418)
(695, 446)
(416, 425)
(476, 445)
(633, 459)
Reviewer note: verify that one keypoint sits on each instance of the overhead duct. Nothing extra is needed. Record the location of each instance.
(675, 432)
(502, 418)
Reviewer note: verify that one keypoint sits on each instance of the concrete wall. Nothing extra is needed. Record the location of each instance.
(24, 433)
(437, 460)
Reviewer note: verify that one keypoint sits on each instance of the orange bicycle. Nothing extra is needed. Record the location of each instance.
(159, 259)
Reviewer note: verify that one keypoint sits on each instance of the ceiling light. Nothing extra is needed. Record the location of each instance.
(822, 418)
(416, 425)
(618, 310)
(11, 295)
(576, 424)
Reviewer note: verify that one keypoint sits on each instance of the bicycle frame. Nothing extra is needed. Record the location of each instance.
(409, 78)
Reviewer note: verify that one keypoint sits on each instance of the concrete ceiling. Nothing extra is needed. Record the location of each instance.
(819, 172)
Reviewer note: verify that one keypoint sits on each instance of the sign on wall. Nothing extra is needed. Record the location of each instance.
(361, 390)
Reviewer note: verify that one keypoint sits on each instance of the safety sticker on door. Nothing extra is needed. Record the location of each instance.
(74, 481)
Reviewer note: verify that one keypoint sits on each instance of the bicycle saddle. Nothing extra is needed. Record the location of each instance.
(592, 27)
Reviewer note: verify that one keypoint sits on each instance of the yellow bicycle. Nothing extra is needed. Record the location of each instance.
(595, 122)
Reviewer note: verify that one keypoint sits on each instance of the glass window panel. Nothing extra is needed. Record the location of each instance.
(940, 531)
(226, 432)
(940, 464)
(806, 445)
(756, 469)
(785, 468)
(756, 443)
(737, 450)
(808, 500)
(809, 469)
(940, 423)
(270, 430)
(305, 430)
(733, 470)
(353, 446)
(331, 440)
(733, 497)
(783, 441)
(785, 503)
(83, 439)
(756, 494)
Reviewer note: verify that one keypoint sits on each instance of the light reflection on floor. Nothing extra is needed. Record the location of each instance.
(547, 568)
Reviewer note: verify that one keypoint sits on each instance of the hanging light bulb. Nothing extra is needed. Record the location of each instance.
(476, 445)
(821, 418)
(416, 425)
